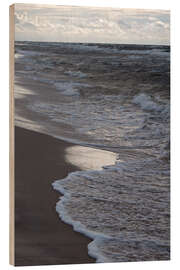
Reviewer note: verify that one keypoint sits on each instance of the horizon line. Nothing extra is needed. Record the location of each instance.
(144, 44)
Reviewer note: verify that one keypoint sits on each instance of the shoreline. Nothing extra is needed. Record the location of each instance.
(48, 116)
(41, 238)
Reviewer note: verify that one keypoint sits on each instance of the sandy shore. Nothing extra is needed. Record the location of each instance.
(41, 238)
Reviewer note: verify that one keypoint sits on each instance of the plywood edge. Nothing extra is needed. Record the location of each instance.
(11, 139)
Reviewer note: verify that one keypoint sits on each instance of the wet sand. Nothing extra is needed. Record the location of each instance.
(41, 238)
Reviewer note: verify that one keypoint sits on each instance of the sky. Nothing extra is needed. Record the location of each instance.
(90, 24)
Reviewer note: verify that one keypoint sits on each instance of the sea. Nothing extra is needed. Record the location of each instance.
(114, 97)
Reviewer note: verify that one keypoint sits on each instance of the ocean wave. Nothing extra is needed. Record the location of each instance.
(121, 201)
(77, 74)
(115, 97)
(147, 103)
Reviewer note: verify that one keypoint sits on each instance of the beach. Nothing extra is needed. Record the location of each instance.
(41, 237)
(92, 123)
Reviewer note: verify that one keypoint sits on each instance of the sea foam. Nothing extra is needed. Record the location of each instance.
(147, 103)
(106, 205)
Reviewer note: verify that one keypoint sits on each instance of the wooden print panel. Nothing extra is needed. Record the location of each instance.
(89, 135)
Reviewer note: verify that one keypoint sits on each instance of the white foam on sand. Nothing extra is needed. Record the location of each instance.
(90, 160)
(92, 205)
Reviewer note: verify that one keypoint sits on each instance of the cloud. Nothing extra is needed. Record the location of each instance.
(82, 24)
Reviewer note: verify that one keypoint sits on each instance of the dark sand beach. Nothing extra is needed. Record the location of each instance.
(41, 238)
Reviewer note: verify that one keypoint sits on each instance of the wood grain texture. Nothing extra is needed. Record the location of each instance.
(11, 137)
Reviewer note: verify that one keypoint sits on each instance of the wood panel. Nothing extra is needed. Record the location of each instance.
(11, 137)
